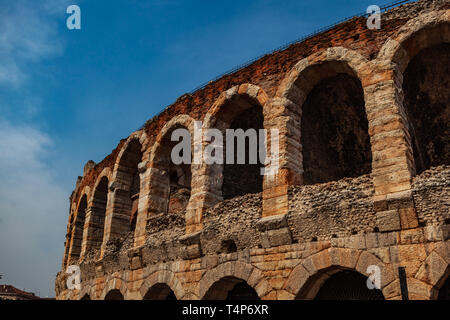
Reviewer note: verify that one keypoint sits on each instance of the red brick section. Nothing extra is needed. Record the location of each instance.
(266, 73)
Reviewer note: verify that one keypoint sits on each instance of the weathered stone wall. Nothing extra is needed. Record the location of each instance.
(431, 192)
(332, 210)
(286, 235)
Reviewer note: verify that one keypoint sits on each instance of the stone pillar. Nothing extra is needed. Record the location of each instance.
(392, 159)
(88, 230)
(117, 218)
(206, 191)
(284, 116)
(141, 221)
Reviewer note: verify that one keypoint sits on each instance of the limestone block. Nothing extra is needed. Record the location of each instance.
(388, 220)
(275, 238)
(432, 269)
(272, 222)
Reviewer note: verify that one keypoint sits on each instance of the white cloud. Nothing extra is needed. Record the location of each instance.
(28, 34)
(33, 207)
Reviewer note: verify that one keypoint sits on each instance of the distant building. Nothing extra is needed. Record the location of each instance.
(8, 292)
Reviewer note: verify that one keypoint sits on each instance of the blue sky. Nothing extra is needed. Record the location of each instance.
(68, 96)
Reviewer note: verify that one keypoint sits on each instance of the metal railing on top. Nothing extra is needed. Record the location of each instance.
(383, 8)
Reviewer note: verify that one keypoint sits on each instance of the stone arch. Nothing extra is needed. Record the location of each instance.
(166, 278)
(337, 73)
(69, 234)
(301, 79)
(432, 274)
(252, 276)
(163, 169)
(112, 285)
(241, 107)
(214, 119)
(157, 184)
(127, 187)
(106, 173)
(419, 54)
(94, 229)
(76, 240)
(249, 101)
(140, 136)
(306, 279)
(424, 31)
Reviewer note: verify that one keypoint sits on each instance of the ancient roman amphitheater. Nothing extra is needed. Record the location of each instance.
(364, 180)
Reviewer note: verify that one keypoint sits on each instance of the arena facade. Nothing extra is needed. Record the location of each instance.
(364, 179)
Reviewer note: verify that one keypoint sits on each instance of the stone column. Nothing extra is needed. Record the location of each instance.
(392, 160)
(144, 193)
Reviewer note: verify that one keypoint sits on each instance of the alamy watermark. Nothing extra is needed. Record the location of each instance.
(74, 20)
(73, 281)
(209, 147)
(374, 278)
(374, 19)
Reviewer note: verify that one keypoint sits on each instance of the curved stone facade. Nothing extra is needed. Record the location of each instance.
(141, 227)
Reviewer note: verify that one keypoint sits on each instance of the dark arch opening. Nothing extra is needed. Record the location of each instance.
(98, 213)
(128, 167)
(347, 285)
(444, 292)
(231, 288)
(114, 295)
(86, 297)
(77, 237)
(160, 291)
(334, 131)
(241, 179)
(68, 239)
(174, 180)
(426, 87)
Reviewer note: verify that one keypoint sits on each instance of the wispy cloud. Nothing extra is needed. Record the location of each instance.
(28, 34)
(33, 206)
(32, 209)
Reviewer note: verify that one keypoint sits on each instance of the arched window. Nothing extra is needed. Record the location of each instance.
(240, 179)
(170, 182)
(426, 86)
(98, 211)
(78, 227)
(127, 197)
(334, 127)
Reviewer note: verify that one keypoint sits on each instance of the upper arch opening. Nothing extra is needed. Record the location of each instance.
(426, 87)
(129, 175)
(78, 227)
(334, 126)
(170, 181)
